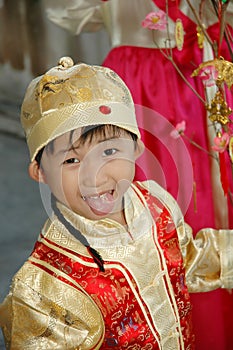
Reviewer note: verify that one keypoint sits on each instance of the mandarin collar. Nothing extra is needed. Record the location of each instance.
(109, 233)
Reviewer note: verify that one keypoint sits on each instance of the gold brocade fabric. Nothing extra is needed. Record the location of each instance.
(43, 312)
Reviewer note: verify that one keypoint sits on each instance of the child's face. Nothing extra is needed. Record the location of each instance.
(92, 177)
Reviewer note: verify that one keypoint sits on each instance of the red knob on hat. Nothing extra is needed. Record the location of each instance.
(105, 109)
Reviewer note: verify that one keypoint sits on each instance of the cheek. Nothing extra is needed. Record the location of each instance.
(123, 173)
(57, 181)
(69, 181)
(126, 167)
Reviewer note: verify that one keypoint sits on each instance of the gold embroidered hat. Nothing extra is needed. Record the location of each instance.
(71, 96)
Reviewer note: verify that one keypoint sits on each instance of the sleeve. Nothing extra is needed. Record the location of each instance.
(208, 258)
(32, 321)
(76, 15)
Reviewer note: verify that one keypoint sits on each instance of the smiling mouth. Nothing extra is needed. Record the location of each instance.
(101, 204)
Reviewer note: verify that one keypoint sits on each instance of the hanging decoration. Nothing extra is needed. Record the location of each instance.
(179, 34)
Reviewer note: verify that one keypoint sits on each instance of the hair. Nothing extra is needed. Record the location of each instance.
(87, 135)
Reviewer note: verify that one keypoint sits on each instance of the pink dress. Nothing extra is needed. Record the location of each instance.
(187, 172)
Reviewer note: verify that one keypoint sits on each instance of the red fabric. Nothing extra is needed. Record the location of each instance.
(223, 169)
(154, 83)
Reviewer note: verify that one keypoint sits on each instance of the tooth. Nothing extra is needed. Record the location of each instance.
(97, 196)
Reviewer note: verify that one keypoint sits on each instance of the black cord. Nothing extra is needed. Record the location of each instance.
(82, 239)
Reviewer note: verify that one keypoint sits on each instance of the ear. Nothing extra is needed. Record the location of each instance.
(36, 172)
(139, 149)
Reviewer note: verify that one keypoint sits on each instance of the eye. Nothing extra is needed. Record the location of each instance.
(71, 161)
(110, 152)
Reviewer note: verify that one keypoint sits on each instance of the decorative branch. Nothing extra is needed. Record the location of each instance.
(170, 58)
(214, 46)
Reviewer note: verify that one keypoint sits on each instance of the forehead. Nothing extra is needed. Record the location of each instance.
(64, 141)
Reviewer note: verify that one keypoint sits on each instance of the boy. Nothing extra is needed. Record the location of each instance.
(108, 270)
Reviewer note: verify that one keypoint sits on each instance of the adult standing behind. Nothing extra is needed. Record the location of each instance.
(156, 84)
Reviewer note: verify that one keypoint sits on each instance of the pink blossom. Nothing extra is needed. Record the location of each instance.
(155, 20)
(220, 143)
(179, 130)
(208, 75)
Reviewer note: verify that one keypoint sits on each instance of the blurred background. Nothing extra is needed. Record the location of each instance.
(29, 45)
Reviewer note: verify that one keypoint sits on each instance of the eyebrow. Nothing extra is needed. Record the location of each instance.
(60, 152)
(63, 151)
(108, 139)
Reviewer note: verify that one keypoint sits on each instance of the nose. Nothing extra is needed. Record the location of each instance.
(92, 173)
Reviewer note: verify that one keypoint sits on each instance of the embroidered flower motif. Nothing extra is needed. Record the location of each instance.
(179, 130)
(221, 143)
(208, 75)
(155, 20)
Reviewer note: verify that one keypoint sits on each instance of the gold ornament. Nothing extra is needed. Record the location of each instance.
(224, 69)
(179, 34)
(200, 37)
(219, 110)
